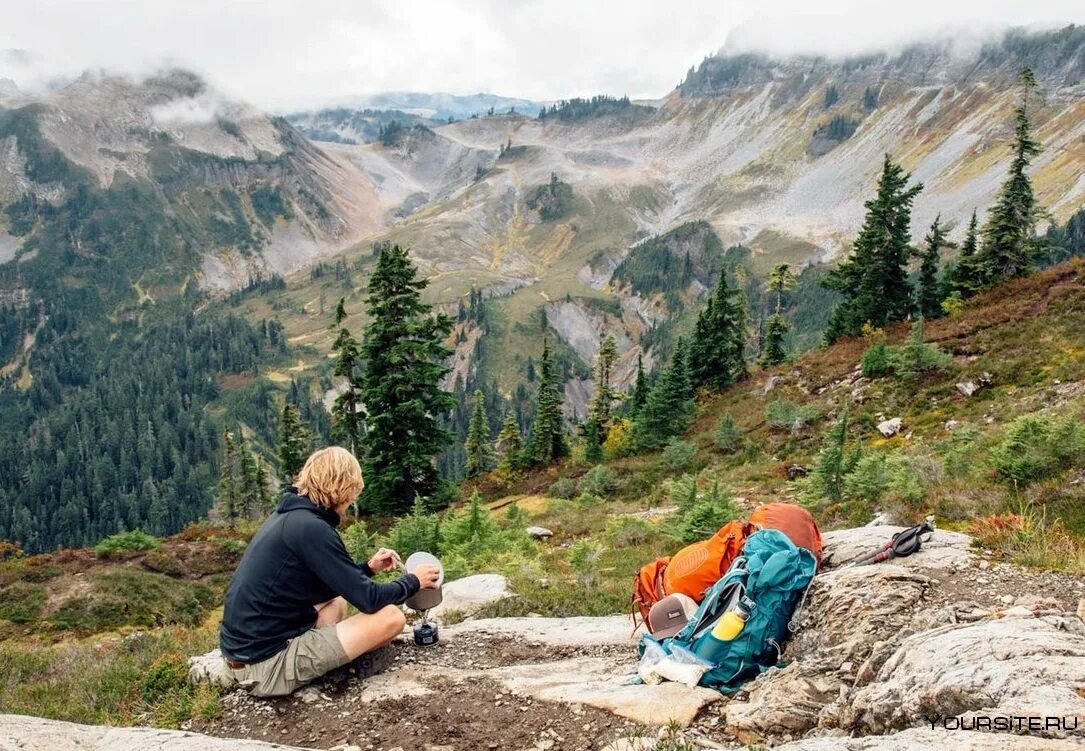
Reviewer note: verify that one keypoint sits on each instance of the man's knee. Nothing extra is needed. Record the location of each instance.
(393, 618)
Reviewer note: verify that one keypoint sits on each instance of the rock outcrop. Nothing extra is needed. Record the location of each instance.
(22, 733)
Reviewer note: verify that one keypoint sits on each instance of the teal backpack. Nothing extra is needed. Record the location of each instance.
(768, 580)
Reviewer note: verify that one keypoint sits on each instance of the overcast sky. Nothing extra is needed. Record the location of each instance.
(287, 54)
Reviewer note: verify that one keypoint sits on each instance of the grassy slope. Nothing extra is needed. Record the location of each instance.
(1028, 336)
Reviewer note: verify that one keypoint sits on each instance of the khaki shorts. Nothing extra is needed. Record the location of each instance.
(306, 658)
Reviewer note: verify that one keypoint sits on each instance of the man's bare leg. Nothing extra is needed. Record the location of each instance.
(365, 632)
(332, 611)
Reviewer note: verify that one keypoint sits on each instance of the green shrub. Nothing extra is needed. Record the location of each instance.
(419, 530)
(880, 476)
(700, 515)
(563, 487)
(1037, 447)
(727, 438)
(515, 516)
(959, 451)
(167, 673)
(909, 360)
(785, 414)
(678, 454)
(131, 597)
(584, 557)
(124, 542)
(360, 542)
(600, 480)
(22, 602)
(625, 531)
(585, 500)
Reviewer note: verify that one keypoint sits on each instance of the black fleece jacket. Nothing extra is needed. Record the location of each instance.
(295, 561)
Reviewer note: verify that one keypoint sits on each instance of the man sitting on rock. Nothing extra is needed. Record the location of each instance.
(285, 621)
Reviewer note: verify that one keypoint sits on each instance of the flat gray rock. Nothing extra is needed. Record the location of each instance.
(581, 631)
(22, 733)
(468, 595)
(944, 550)
(925, 739)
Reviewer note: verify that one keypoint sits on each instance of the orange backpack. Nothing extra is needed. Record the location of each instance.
(696, 567)
(648, 587)
(794, 521)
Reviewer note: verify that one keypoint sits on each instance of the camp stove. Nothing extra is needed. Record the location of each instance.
(425, 632)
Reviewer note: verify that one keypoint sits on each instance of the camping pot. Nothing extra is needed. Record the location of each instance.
(424, 599)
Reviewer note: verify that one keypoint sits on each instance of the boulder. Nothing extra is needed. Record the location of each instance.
(539, 533)
(580, 631)
(1008, 667)
(38, 734)
(890, 428)
(945, 550)
(925, 739)
(468, 595)
(967, 388)
(601, 682)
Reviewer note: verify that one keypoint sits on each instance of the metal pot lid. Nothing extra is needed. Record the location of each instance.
(421, 559)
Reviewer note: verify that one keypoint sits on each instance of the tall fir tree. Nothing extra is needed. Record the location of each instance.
(547, 440)
(479, 453)
(252, 495)
(874, 278)
(293, 444)
(1010, 246)
(774, 343)
(229, 496)
(669, 407)
(600, 412)
(510, 443)
(348, 416)
(405, 359)
(967, 277)
(931, 291)
(717, 352)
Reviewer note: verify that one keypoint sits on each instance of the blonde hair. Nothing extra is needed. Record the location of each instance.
(330, 477)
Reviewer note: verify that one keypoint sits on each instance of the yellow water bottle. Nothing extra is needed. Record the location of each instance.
(731, 623)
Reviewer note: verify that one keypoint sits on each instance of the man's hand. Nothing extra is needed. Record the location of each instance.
(428, 574)
(384, 559)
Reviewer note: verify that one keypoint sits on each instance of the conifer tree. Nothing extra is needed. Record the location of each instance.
(716, 355)
(228, 493)
(547, 440)
(967, 277)
(669, 406)
(293, 444)
(510, 443)
(774, 349)
(600, 411)
(348, 416)
(1010, 247)
(479, 453)
(930, 292)
(874, 278)
(405, 355)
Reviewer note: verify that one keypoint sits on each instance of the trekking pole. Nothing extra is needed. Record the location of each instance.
(902, 544)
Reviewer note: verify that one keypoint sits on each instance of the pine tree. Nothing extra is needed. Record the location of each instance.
(510, 443)
(405, 354)
(547, 440)
(967, 277)
(228, 494)
(716, 356)
(1009, 237)
(252, 494)
(774, 349)
(348, 416)
(293, 444)
(669, 406)
(479, 454)
(834, 462)
(931, 291)
(874, 279)
(600, 411)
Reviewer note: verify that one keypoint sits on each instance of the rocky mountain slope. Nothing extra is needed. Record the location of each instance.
(776, 154)
(245, 189)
